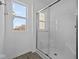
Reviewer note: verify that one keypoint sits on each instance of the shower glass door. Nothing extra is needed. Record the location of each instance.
(43, 30)
(56, 31)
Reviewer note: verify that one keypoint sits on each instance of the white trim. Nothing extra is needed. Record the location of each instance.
(21, 17)
(23, 4)
(18, 2)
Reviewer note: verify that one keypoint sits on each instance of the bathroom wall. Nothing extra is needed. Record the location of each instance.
(17, 43)
(1, 30)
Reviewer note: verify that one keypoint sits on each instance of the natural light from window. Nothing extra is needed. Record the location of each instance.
(42, 21)
(19, 9)
(20, 17)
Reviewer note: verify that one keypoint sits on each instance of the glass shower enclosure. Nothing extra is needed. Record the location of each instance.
(43, 31)
(56, 31)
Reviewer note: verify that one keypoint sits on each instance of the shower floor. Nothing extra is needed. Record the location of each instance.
(64, 53)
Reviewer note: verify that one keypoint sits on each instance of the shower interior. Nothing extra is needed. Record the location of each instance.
(56, 37)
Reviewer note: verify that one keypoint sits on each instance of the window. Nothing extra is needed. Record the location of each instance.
(19, 9)
(19, 24)
(20, 17)
(42, 21)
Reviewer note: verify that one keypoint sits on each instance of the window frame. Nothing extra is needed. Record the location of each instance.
(21, 17)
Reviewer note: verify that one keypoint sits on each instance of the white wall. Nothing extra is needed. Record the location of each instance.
(1, 30)
(17, 43)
